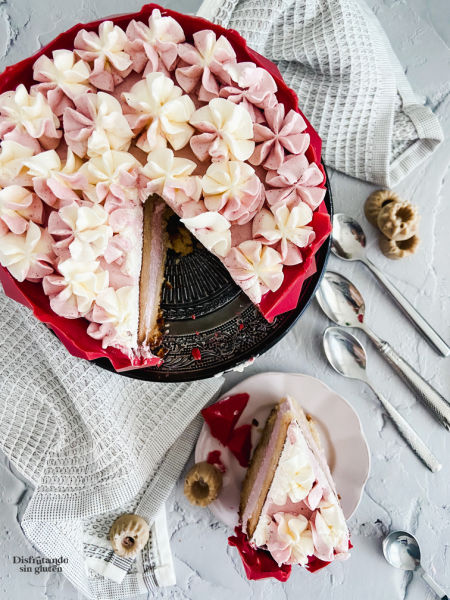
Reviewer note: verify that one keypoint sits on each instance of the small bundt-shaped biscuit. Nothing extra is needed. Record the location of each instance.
(375, 203)
(398, 221)
(128, 535)
(203, 484)
(396, 249)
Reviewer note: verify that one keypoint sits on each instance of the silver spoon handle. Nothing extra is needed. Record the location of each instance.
(431, 398)
(433, 585)
(409, 435)
(430, 334)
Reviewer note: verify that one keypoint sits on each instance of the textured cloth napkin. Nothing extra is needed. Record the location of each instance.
(350, 84)
(95, 445)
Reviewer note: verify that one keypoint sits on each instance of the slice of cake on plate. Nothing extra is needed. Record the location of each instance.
(289, 504)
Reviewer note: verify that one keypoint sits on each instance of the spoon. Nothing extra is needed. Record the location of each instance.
(347, 356)
(402, 551)
(342, 302)
(349, 242)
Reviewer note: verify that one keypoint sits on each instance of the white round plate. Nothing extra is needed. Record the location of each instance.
(339, 426)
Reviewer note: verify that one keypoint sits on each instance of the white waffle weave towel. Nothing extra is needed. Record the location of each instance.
(95, 445)
(350, 85)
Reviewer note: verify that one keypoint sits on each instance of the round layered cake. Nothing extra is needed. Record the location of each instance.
(115, 126)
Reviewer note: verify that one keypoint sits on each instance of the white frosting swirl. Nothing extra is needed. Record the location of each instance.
(113, 173)
(286, 230)
(233, 189)
(170, 177)
(330, 533)
(73, 294)
(161, 107)
(213, 231)
(12, 168)
(228, 131)
(28, 255)
(17, 206)
(31, 113)
(256, 268)
(63, 71)
(114, 317)
(90, 233)
(290, 539)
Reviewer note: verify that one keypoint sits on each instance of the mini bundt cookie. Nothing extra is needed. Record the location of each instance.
(396, 249)
(203, 484)
(128, 535)
(376, 201)
(398, 220)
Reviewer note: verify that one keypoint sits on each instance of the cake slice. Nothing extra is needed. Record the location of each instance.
(289, 505)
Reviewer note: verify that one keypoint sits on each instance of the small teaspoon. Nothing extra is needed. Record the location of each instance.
(343, 304)
(349, 242)
(347, 356)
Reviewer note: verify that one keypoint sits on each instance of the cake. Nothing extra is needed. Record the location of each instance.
(289, 504)
(132, 119)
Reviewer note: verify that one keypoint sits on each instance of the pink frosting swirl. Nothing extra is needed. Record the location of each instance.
(205, 63)
(290, 539)
(233, 189)
(154, 48)
(254, 88)
(283, 133)
(296, 181)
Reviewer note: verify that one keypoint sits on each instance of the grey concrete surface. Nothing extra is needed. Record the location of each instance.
(400, 493)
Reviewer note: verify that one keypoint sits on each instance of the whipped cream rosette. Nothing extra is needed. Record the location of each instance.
(250, 86)
(290, 539)
(54, 180)
(28, 117)
(18, 206)
(28, 255)
(286, 229)
(162, 110)
(12, 167)
(233, 189)
(257, 268)
(96, 125)
(63, 78)
(112, 116)
(105, 51)
(154, 47)
(227, 131)
(295, 181)
(205, 63)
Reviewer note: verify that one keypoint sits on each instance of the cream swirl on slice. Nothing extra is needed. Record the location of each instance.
(55, 181)
(296, 181)
(31, 115)
(114, 317)
(154, 47)
(286, 230)
(256, 268)
(161, 109)
(233, 189)
(105, 50)
(171, 177)
(213, 231)
(204, 62)
(96, 125)
(18, 206)
(227, 131)
(290, 539)
(12, 168)
(28, 255)
(329, 530)
(73, 292)
(62, 78)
